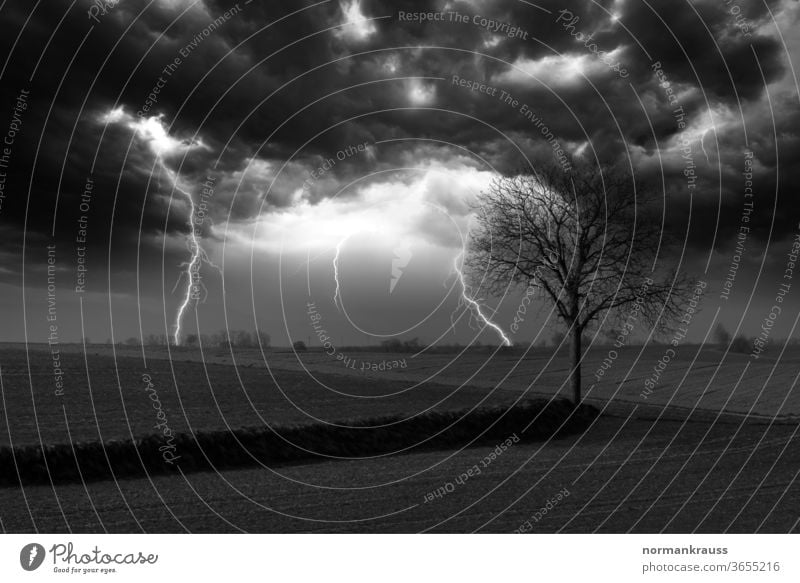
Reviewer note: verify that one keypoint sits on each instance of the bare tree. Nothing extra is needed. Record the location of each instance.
(587, 239)
(156, 340)
(721, 335)
(241, 338)
(262, 338)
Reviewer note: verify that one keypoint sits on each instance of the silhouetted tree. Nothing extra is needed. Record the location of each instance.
(741, 344)
(557, 338)
(587, 238)
(721, 335)
(238, 338)
(411, 345)
(263, 339)
(393, 345)
(156, 340)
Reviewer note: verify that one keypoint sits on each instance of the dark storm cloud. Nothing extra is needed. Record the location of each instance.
(270, 84)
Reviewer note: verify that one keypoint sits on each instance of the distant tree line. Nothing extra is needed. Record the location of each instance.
(243, 339)
(397, 345)
(221, 339)
(743, 344)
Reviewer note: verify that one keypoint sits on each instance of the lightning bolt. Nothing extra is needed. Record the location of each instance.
(402, 256)
(471, 303)
(703, 144)
(197, 257)
(337, 296)
(400, 260)
(466, 298)
(34, 552)
(156, 136)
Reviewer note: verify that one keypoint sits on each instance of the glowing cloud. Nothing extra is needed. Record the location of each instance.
(557, 71)
(356, 26)
(399, 210)
(420, 93)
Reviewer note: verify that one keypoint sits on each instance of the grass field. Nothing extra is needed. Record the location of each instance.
(642, 466)
(679, 479)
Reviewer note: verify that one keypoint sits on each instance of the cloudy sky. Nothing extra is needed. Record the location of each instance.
(288, 145)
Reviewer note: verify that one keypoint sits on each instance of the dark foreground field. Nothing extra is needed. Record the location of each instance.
(637, 476)
(630, 471)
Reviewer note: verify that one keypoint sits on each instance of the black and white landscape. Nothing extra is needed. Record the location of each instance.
(392, 267)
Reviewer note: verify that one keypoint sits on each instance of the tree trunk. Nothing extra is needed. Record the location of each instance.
(575, 373)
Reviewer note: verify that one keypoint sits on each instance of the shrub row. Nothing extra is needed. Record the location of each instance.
(209, 450)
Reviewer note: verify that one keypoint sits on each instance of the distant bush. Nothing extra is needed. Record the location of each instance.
(221, 339)
(263, 339)
(741, 344)
(228, 339)
(156, 340)
(299, 346)
(396, 345)
(721, 335)
(457, 348)
(216, 450)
